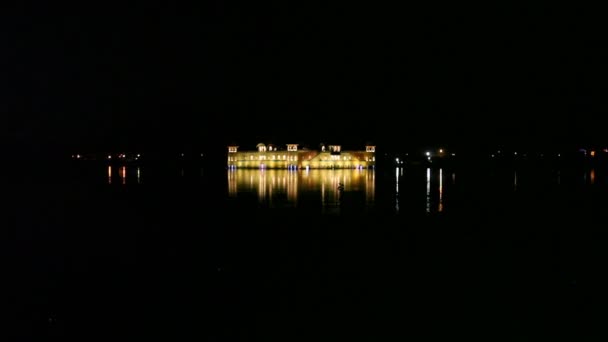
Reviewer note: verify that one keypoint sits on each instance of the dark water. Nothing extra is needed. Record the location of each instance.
(216, 255)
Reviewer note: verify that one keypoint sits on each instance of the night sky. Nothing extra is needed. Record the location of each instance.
(162, 75)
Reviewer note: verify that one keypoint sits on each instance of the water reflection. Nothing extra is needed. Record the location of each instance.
(290, 187)
(123, 175)
(400, 190)
(125, 172)
(440, 207)
(428, 189)
(434, 193)
(397, 188)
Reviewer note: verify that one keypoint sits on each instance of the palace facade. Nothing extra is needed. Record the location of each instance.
(328, 157)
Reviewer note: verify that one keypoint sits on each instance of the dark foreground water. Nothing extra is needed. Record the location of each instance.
(171, 253)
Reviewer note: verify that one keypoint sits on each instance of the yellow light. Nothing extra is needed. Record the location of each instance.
(592, 153)
(123, 174)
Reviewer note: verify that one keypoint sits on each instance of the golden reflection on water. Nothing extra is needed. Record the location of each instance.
(123, 175)
(124, 172)
(289, 186)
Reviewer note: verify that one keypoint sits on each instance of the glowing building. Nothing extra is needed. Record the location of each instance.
(291, 157)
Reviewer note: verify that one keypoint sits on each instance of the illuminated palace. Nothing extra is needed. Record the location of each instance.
(330, 157)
